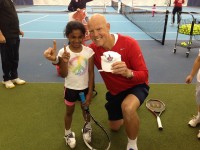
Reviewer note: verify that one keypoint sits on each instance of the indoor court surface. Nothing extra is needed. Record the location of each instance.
(42, 28)
(32, 115)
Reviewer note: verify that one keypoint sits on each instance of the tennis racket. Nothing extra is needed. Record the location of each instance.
(156, 107)
(100, 139)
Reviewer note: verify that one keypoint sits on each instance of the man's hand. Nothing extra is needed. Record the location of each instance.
(2, 38)
(21, 33)
(50, 53)
(65, 55)
(121, 68)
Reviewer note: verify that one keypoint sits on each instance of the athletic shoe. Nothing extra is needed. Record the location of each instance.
(172, 24)
(130, 147)
(70, 140)
(194, 121)
(18, 81)
(87, 134)
(8, 84)
(198, 135)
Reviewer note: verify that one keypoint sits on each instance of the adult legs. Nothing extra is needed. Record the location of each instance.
(179, 9)
(173, 15)
(130, 118)
(10, 58)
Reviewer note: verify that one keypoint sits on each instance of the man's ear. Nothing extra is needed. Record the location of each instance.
(108, 26)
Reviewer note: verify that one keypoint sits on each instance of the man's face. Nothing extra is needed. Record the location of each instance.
(98, 32)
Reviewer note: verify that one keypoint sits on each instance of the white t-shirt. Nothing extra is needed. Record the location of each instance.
(78, 76)
(198, 74)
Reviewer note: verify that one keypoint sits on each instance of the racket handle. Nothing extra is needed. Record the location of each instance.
(82, 96)
(159, 123)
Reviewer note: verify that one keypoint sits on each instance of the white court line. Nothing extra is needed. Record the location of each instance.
(41, 32)
(33, 20)
(52, 21)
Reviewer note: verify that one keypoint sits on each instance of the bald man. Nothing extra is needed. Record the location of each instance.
(127, 84)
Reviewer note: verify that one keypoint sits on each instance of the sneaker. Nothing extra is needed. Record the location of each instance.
(198, 135)
(8, 84)
(172, 24)
(18, 81)
(87, 134)
(130, 147)
(70, 140)
(194, 121)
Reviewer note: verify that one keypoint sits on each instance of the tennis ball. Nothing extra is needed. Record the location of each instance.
(183, 44)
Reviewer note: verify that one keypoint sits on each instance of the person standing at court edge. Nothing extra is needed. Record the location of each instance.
(76, 5)
(177, 9)
(9, 43)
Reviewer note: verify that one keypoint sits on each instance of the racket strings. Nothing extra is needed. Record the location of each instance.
(99, 139)
(156, 106)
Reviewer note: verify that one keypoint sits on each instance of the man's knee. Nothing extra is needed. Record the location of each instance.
(115, 125)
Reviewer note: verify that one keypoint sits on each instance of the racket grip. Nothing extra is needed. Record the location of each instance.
(159, 123)
(82, 96)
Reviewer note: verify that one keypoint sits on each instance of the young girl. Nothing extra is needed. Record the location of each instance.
(77, 67)
(153, 9)
(195, 70)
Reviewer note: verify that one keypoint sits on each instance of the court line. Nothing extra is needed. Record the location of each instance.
(33, 20)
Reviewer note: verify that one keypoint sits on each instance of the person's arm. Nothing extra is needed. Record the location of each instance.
(194, 70)
(71, 6)
(91, 80)
(2, 38)
(63, 57)
(138, 65)
(134, 67)
(21, 33)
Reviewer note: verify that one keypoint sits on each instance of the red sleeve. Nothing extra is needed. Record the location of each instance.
(137, 63)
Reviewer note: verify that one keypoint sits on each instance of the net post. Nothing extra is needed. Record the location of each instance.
(165, 27)
(121, 7)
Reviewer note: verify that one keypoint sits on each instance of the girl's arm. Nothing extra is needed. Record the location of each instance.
(91, 79)
(63, 63)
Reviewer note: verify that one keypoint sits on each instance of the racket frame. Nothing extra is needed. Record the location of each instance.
(87, 111)
(156, 113)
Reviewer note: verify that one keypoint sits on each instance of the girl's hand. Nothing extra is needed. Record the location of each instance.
(65, 55)
(50, 53)
(188, 79)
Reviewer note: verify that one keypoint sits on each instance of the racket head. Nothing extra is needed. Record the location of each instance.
(100, 139)
(155, 105)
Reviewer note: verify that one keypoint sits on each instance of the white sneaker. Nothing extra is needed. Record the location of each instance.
(198, 135)
(70, 140)
(18, 81)
(87, 134)
(130, 147)
(8, 84)
(194, 121)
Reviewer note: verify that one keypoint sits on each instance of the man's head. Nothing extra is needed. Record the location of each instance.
(99, 30)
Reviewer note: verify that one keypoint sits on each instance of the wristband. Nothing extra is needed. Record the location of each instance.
(56, 61)
(131, 75)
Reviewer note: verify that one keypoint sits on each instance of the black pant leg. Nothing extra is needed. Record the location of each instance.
(10, 58)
